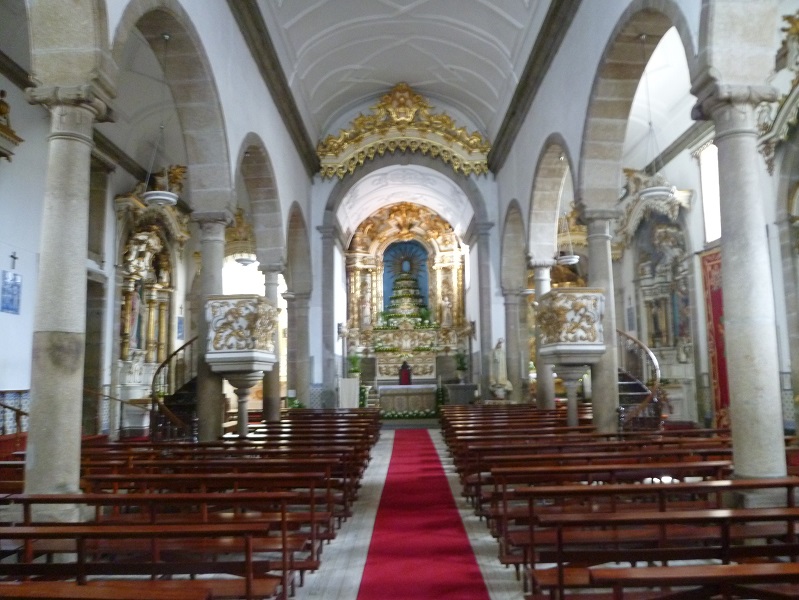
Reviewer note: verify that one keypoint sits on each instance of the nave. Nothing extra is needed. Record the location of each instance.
(339, 576)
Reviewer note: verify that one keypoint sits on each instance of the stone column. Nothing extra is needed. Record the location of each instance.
(512, 337)
(291, 345)
(545, 383)
(210, 401)
(52, 462)
(605, 373)
(484, 275)
(749, 318)
(303, 350)
(329, 283)
(272, 401)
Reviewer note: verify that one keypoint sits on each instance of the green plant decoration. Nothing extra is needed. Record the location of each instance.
(354, 363)
(461, 361)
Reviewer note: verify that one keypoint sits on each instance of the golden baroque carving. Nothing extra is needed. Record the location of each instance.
(402, 122)
(571, 317)
(243, 323)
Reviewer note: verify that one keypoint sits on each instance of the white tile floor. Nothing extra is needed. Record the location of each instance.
(343, 560)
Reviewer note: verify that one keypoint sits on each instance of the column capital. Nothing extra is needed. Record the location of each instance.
(328, 232)
(512, 295)
(541, 263)
(600, 213)
(274, 268)
(213, 216)
(484, 227)
(713, 95)
(88, 96)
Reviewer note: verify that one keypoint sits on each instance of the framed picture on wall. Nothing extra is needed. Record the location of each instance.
(10, 292)
(180, 328)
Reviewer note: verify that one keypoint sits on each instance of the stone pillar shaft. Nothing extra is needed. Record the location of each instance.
(302, 357)
(749, 317)
(545, 383)
(605, 373)
(484, 273)
(52, 462)
(513, 340)
(271, 382)
(210, 401)
(328, 308)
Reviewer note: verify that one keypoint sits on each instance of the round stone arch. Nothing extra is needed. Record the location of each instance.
(620, 70)
(343, 186)
(299, 269)
(258, 177)
(195, 95)
(513, 260)
(553, 166)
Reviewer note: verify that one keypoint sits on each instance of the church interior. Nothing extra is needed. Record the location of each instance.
(224, 217)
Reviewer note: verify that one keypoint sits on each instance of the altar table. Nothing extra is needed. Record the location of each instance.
(403, 398)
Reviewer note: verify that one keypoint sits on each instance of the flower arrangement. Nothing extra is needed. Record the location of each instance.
(408, 414)
(461, 361)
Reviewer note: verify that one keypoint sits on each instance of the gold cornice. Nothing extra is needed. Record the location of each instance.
(402, 122)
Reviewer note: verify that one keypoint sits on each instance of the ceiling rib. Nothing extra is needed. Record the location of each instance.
(553, 31)
(253, 28)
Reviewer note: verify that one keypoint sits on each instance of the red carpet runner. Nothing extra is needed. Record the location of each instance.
(419, 547)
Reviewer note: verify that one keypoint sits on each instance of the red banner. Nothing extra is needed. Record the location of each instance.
(714, 310)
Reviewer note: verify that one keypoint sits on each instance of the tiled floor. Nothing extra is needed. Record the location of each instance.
(343, 560)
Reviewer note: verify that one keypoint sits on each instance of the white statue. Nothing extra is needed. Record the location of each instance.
(499, 369)
(446, 312)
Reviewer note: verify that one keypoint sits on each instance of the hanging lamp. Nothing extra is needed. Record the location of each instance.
(160, 197)
(657, 188)
(565, 256)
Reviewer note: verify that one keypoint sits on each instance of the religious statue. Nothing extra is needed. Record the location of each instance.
(446, 312)
(366, 311)
(499, 371)
(141, 249)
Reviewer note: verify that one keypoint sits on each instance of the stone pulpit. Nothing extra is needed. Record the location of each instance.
(572, 339)
(241, 343)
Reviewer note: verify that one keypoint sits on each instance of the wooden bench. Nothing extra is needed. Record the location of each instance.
(587, 540)
(520, 537)
(168, 550)
(106, 590)
(740, 580)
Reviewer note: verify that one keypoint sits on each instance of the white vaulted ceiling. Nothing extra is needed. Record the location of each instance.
(339, 56)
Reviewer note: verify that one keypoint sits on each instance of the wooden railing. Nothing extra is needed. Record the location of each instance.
(174, 380)
(638, 367)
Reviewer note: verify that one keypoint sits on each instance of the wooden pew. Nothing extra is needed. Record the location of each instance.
(748, 580)
(104, 590)
(583, 540)
(97, 548)
(521, 539)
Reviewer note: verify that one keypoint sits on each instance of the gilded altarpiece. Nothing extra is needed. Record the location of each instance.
(153, 240)
(406, 243)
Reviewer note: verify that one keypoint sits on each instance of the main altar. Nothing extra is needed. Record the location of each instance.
(406, 303)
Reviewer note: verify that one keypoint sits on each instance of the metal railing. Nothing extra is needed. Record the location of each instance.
(173, 381)
(639, 370)
(14, 419)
